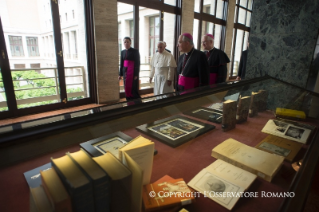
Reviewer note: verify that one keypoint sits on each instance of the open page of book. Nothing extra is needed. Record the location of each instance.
(287, 130)
(216, 188)
(141, 150)
(137, 182)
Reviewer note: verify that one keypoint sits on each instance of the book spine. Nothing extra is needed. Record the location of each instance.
(229, 116)
(242, 110)
(253, 111)
(263, 97)
(102, 195)
(240, 165)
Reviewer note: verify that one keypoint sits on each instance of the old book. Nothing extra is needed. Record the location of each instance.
(76, 183)
(55, 191)
(263, 164)
(287, 130)
(229, 115)
(33, 176)
(253, 107)
(262, 100)
(121, 181)
(138, 157)
(288, 113)
(242, 109)
(98, 177)
(280, 146)
(39, 201)
(222, 182)
(158, 196)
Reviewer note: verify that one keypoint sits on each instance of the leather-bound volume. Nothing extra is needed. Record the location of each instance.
(262, 100)
(161, 195)
(242, 109)
(254, 102)
(229, 115)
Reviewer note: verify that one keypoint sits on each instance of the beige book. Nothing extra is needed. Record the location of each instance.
(39, 201)
(287, 130)
(280, 146)
(222, 182)
(263, 164)
(138, 157)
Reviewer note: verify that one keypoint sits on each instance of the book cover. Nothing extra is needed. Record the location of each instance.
(157, 196)
(222, 182)
(39, 201)
(263, 164)
(76, 183)
(280, 146)
(33, 176)
(242, 109)
(287, 130)
(98, 177)
(297, 114)
(55, 191)
(229, 115)
(121, 181)
(254, 101)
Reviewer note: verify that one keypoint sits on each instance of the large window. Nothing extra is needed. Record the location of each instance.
(54, 72)
(210, 17)
(16, 46)
(154, 29)
(241, 32)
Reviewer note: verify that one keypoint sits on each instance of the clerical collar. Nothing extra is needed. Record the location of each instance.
(190, 51)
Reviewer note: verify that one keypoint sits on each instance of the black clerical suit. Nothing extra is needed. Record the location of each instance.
(192, 70)
(217, 61)
(130, 67)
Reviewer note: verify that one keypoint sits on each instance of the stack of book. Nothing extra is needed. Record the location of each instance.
(78, 182)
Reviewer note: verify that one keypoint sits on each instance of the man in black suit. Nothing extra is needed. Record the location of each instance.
(242, 64)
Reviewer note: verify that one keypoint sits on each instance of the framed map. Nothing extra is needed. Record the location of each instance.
(175, 130)
(108, 143)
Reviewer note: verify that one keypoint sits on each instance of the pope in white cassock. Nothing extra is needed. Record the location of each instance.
(162, 68)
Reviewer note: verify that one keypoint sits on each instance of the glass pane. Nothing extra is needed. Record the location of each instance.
(241, 16)
(31, 52)
(220, 9)
(248, 19)
(195, 33)
(74, 46)
(169, 30)
(196, 6)
(170, 2)
(207, 28)
(243, 3)
(149, 30)
(3, 98)
(238, 50)
(209, 7)
(245, 44)
(217, 35)
(250, 4)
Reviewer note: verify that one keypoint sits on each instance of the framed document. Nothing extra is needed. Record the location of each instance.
(175, 130)
(206, 114)
(108, 143)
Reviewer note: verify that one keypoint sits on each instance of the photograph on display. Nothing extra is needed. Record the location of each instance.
(275, 149)
(108, 143)
(206, 114)
(287, 130)
(175, 130)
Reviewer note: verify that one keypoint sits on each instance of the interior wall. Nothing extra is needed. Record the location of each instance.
(282, 39)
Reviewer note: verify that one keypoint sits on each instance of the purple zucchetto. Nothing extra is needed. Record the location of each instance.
(188, 35)
(210, 35)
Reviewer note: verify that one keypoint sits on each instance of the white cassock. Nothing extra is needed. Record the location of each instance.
(163, 68)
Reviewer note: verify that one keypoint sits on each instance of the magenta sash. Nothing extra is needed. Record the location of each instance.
(188, 82)
(212, 78)
(129, 77)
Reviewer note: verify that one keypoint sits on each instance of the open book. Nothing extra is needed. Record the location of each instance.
(138, 157)
(222, 182)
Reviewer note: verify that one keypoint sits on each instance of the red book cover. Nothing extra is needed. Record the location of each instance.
(166, 193)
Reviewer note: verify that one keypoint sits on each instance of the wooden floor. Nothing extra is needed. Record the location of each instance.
(55, 112)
